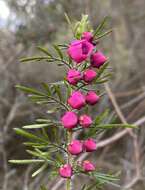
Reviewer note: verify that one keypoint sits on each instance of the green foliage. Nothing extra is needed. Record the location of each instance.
(47, 143)
(82, 26)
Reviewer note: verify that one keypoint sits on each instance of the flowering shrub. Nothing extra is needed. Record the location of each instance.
(87, 68)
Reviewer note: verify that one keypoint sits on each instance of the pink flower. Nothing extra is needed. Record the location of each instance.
(76, 100)
(69, 120)
(75, 147)
(90, 145)
(66, 171)
(87, 36)
(92, 98)
(79, 50)
(89, 75)
(73, 76)
(85, 121)
(98, 59)
(88, 166)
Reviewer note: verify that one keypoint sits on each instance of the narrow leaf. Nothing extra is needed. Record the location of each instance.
(33, 59)
(44, 50)
(28, 135)
(101, 26)
(41, 169)
(35, 126)
(58, 51)
(29, 90)
(25, 161)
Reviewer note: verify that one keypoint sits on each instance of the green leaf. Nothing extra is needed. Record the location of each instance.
(104, 34)
(101, 70)
(99, 119)
(38, 145)
(34, 59)
(35, 126)
(58, 51)
(44, 50)
(69, 89)
(47, 88)
(69, 21)
(28, 135)
(54, 110)
(101, 26)
(58, 91)
(110, 126)
(25, 161)
(29, 90)
(41, 169)
(105, 178)
(43, 120)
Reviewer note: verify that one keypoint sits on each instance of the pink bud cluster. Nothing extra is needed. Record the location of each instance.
(76, 146)
(79, 51)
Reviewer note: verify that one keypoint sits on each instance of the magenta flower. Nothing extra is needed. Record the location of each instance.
(88, 166)
(89, 75)
(69, 120)
(90, 145)
(85, 121)
(92, 98)
(98, 59)
(80, 50)
(77, 100)
(73, 76)
(66, 171)
(87, 36)
(75, 147)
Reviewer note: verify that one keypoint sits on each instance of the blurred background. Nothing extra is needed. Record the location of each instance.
(25, 24)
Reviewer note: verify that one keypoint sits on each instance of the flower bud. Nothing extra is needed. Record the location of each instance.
(73, 76)
(90, 145)
(85, 121)
(66, 171)
(87, 36)
(88, 166)
(80, 50)
(77, 100)
(89, 75)
(92, 98)
(69, 120)
(75, 147)
(98, 59)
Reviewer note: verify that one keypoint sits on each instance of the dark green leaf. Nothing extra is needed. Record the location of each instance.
(44, 50)
(101, 26)
(58, 51)
(58, 92)
(29, 90)
(47, 88)
(34, 59)
(104, 34)
(28, 135)
(99, 119)
(110, 126)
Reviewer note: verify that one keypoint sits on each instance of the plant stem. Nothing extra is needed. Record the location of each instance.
(68, 184)
(69, 160)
